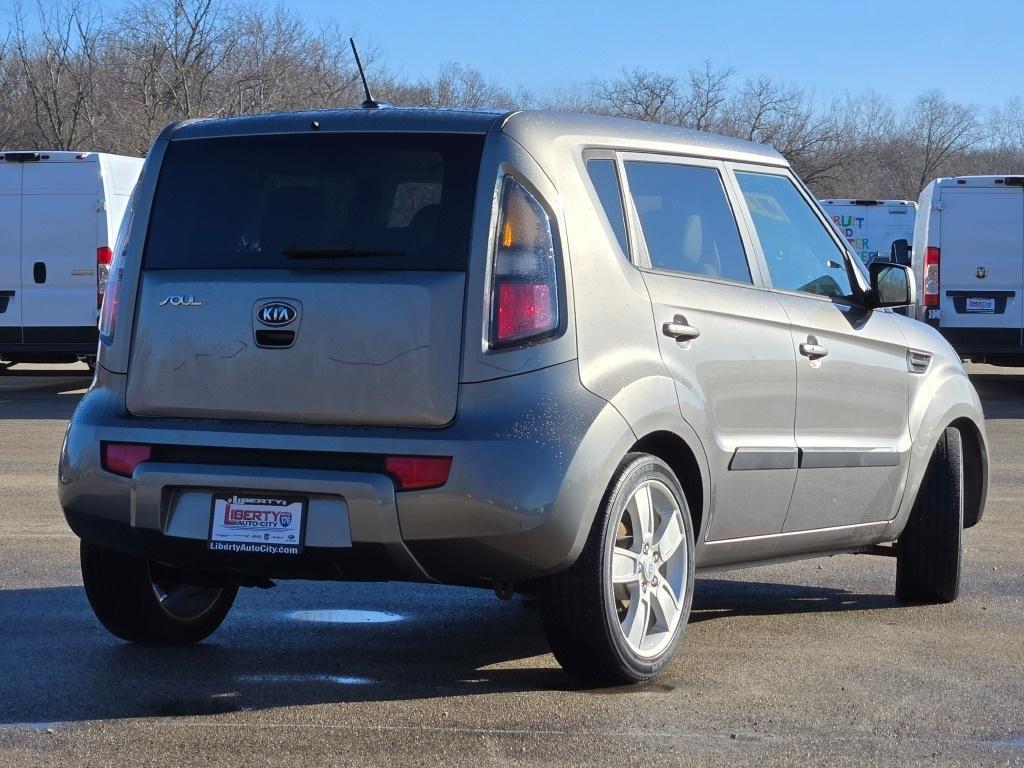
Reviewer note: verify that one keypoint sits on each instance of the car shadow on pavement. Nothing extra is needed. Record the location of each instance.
(36, 398)
(720, 598)
(61, 665)
(379, 642)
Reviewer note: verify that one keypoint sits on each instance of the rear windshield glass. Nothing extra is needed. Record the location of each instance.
(314, 201)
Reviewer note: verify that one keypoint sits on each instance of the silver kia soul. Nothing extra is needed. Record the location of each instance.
(564, 355)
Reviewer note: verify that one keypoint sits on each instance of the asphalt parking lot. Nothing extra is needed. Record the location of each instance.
(810, 663)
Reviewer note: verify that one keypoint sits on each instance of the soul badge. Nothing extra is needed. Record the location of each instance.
(257, 524)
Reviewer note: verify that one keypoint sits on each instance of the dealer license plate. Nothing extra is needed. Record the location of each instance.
(257, 523)
(980, 305)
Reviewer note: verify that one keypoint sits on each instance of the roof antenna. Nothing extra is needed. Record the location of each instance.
(369, 103)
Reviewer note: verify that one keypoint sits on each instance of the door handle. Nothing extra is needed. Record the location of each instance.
(679, 329)
(39, 272)
(813, 350)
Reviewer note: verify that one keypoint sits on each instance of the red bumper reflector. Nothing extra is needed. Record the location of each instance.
(414, 473)
(123, 458)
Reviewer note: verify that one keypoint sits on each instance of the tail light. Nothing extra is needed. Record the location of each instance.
(524, 281)
(415, 473)
(931, 277)
(110, 289)
(103, 257)
(110, 297)
(123, 458)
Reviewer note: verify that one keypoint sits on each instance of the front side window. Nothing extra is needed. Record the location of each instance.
(687, 222)
(800, 253)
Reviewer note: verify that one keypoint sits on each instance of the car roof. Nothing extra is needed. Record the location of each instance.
(542, 128)
(867, 203)
(529, 127)
(1006, 179)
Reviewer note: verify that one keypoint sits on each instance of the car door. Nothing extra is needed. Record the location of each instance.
(61, 219)
(10, 253)
(852, 405)
(724, 340)
(981, 274)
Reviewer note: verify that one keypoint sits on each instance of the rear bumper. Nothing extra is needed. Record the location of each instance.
(532, 455)
(980, 344)
(46, 343)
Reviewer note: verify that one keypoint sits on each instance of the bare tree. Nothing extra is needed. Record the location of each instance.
(938, 132)
(78, 80)
(58, 69)
(641, 95)
(457, 85)
(709, 93)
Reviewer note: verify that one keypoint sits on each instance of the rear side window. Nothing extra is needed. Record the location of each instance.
(687, 221)
(801, 254)
(606, 183)
(301, 201)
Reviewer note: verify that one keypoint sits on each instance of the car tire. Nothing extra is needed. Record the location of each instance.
(605, 624)
(148, 603)
(928, 552)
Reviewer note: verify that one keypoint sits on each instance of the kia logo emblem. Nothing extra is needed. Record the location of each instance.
(276, 313)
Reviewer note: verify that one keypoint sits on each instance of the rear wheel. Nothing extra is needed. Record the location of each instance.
(929, 549)
(619, 613)
(149, 603)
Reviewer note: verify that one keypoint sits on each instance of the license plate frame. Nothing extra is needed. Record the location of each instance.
(980, 305)
(252, 522)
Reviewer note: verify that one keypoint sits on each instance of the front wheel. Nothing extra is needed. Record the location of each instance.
(928, 550)
(619, 612)
(149, 603)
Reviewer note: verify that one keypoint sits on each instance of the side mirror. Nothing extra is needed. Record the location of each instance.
(892, 285)
(900, 252)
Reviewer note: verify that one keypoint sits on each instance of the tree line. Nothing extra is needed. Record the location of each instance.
(72, 78)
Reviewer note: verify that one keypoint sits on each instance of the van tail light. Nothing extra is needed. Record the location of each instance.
(103, 258)
(931, 277)
(123, 458)
(415, 473)
(524, 280)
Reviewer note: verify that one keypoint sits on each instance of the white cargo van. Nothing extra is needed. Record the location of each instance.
(969, 258)
(59, 216)
(872, 226)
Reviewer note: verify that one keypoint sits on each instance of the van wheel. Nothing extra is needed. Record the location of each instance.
(928, 550)
(149, 603)
(619, 612)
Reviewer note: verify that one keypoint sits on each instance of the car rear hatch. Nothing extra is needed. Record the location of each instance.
(307, 278)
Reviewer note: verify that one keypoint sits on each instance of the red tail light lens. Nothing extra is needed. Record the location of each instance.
(103, 259)
(931, 277)
(524, 280)
(524, 309)
(415, 473)
(123, 458)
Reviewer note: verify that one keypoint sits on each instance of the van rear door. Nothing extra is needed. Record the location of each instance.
(61, 219)
(10, 253)
(981, 272)
(309, 278)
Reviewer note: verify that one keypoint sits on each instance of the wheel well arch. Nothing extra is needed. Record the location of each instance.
(677, 453)
(974, 470)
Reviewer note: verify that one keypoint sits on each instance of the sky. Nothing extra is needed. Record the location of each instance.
(969, 49)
